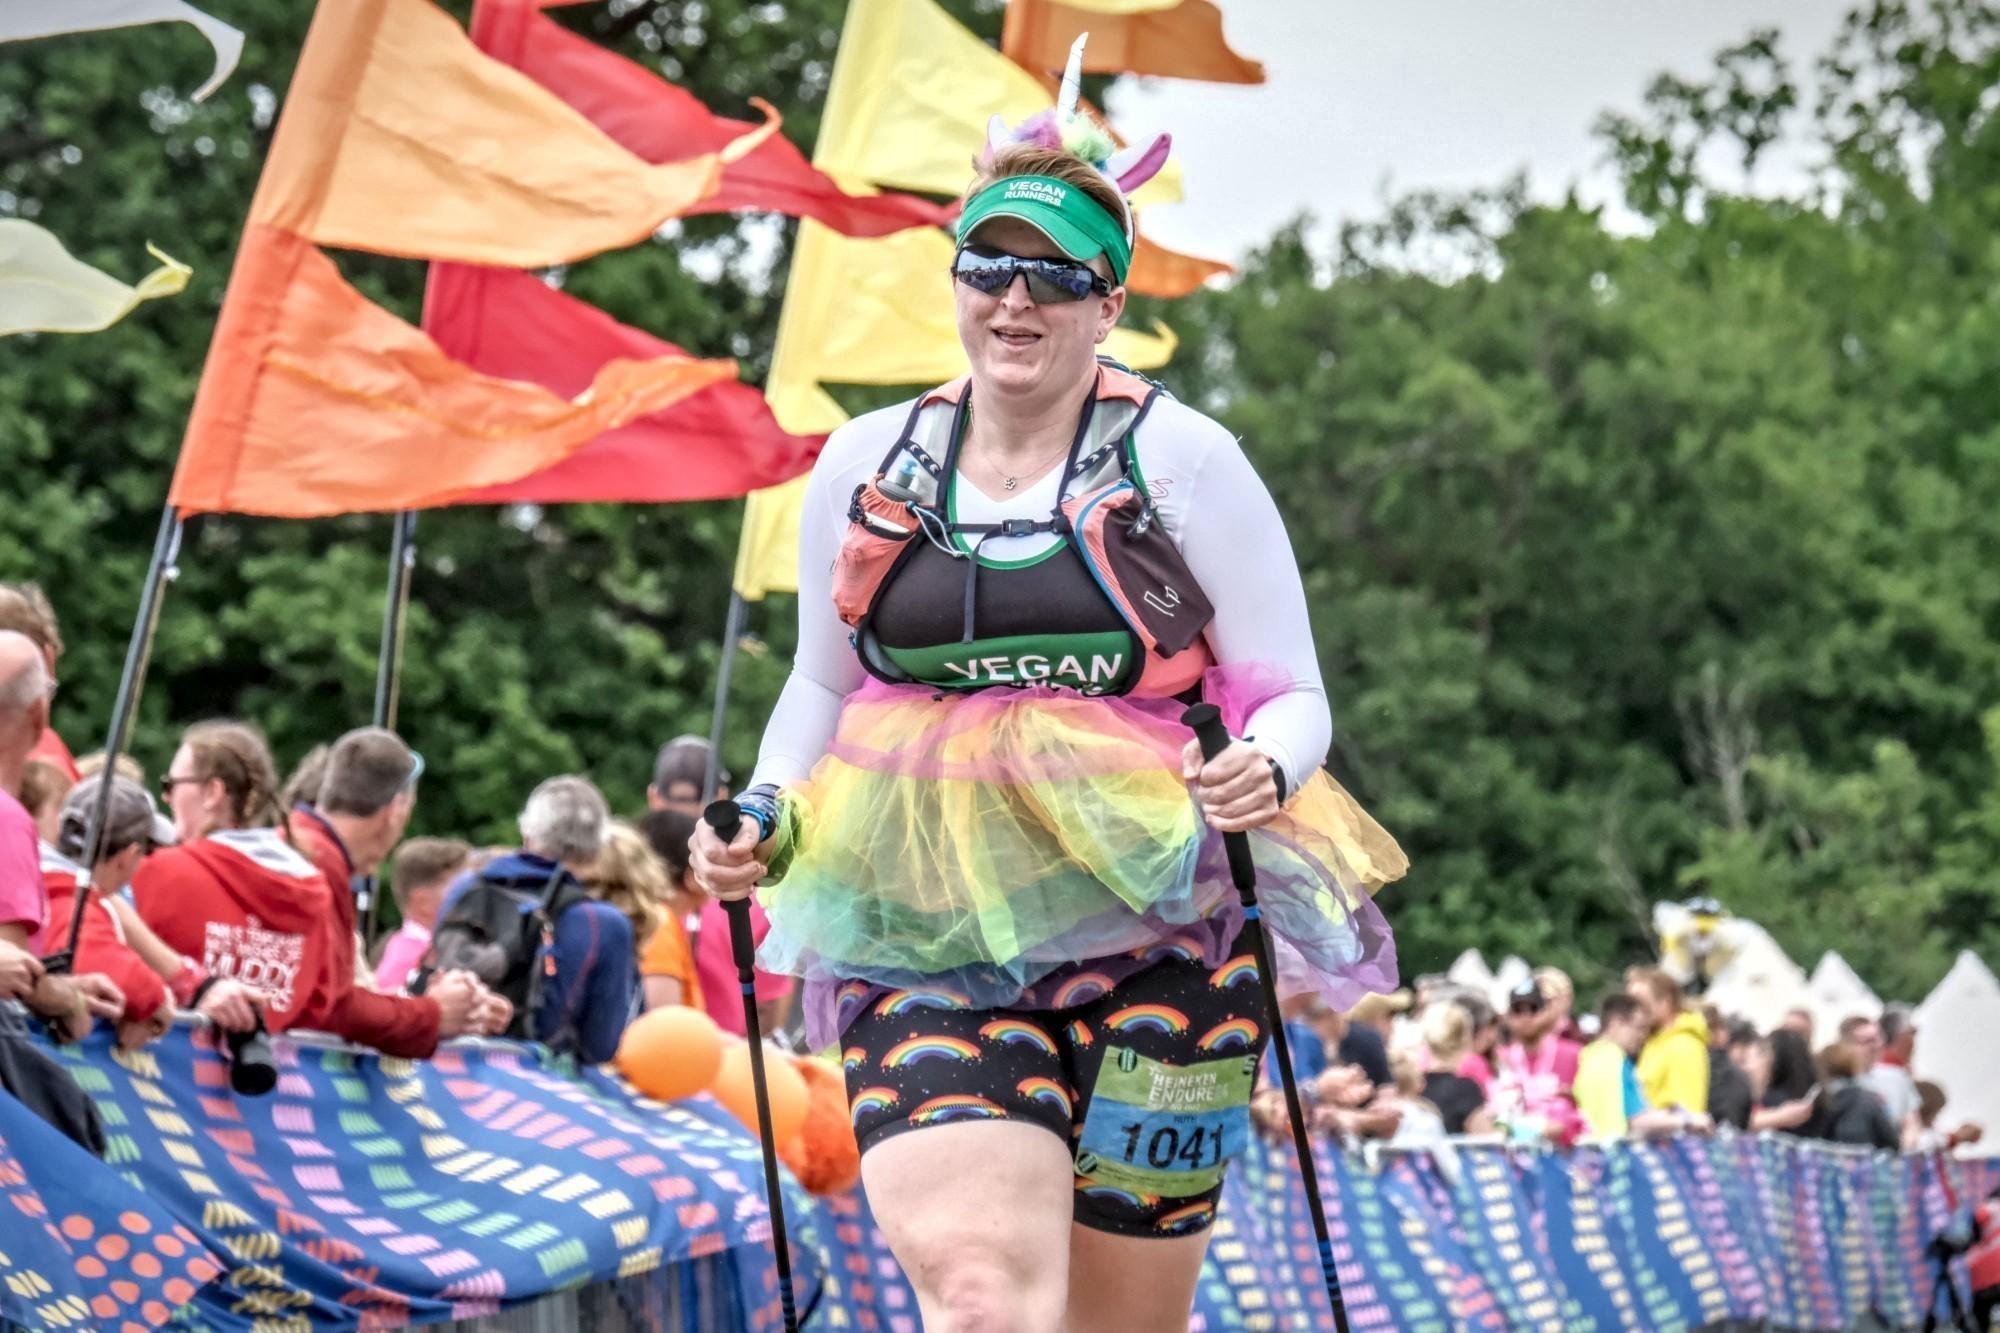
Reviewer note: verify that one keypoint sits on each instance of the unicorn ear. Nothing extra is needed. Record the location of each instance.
(1132, 167)
(998, 136)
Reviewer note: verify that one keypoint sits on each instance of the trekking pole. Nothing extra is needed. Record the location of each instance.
(725, 817)
(1206, 721)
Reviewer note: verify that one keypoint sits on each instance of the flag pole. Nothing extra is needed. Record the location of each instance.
(395, 614)
(124, 710)
(389, 663)
(732, 631)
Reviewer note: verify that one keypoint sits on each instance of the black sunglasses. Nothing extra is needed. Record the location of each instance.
(1050, 281)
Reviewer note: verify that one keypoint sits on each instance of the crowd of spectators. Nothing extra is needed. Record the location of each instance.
(238, 902)
(1416, 1067)
(235, 896)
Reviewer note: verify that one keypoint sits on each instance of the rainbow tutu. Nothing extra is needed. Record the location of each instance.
(981, 842)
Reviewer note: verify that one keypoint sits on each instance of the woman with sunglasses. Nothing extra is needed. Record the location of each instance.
(974, 792)
(111, 939)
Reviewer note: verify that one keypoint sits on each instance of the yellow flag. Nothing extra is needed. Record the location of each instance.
(911, 93)
(44, 289)
(767, 556)
(401, 137)
(881, 312)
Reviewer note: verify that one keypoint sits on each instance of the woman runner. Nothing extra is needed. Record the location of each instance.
(972, 800)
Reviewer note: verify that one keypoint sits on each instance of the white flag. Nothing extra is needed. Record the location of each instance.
(23, 19)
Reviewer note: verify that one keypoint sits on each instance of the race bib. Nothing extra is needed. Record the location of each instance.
(1165, 1130)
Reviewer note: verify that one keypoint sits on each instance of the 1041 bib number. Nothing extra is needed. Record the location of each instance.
(1165, 1130)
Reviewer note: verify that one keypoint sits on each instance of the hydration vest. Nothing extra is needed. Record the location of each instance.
(1142, 593)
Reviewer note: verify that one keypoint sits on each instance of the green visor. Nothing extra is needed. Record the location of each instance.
(1066, 215)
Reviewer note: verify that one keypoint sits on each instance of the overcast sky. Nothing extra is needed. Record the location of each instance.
(1427, 94)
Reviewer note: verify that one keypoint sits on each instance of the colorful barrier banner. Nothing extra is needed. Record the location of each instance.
(371, 1192)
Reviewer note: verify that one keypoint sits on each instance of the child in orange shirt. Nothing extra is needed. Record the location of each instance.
(666, 965)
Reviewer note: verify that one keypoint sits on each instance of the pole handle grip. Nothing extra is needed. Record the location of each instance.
(726, 818)
(1206, 722)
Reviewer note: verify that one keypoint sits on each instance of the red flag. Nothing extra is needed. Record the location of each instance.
(721, 441)
(662, 123)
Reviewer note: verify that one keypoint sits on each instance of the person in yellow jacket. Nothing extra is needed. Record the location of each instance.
(1673, 1065)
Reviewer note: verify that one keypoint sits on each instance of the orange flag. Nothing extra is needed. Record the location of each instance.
(316, 401)
(1183, 41)
(1158, 271)
(401, 137)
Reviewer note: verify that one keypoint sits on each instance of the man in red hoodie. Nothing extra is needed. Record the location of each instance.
(250, 906)
(358, 816)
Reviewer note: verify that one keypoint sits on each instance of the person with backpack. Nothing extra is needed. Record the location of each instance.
(526, 925)
(995, 847)
(1847, 1111)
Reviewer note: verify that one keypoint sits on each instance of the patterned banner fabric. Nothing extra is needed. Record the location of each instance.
(372, 1193)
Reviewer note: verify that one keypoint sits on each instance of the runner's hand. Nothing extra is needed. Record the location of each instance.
(1237, 789)
(726, 870)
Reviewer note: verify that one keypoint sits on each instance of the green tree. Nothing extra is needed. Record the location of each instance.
(1641, 564)
(1649, 564)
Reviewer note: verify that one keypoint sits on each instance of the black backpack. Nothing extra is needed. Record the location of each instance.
(501, 930)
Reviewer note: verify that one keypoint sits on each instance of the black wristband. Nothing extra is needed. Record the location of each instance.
(1278, 774)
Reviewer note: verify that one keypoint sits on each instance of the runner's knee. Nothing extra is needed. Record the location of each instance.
(982, 1294)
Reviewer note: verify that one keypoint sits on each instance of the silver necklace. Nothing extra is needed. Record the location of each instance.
(1008, 482)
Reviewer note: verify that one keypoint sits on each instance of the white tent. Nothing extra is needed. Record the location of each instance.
(1838, 993)
(1957, 1047)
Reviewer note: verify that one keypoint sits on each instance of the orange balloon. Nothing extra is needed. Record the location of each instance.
(671, 1052)
(733, 1088)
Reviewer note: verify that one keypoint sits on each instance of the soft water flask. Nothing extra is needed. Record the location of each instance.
(902, 485)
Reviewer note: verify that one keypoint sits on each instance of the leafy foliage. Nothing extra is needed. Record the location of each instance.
(1641, 564)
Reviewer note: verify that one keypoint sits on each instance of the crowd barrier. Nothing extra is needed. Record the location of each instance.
(488, 1189)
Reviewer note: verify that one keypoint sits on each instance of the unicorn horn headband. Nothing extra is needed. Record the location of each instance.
(1068, 129)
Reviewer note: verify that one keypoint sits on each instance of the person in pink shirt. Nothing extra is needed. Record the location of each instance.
(68, 1002)
(716, 967)
(667, 829)
(24, 715)
(422, 870)
(1532, 1084)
